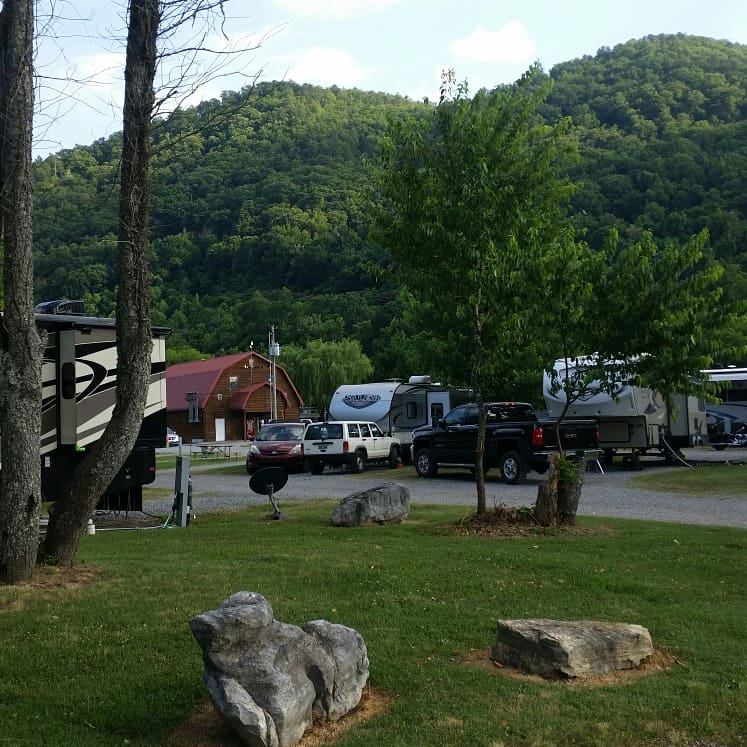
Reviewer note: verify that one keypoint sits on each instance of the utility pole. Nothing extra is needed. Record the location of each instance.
(274, 350)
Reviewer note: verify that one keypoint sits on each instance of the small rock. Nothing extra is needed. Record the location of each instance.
(581, 648)
(388, 503)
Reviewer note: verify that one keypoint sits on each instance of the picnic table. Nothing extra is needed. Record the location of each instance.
(211, 449)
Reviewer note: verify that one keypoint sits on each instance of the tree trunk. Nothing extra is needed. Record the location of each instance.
(558, 496)
(480, 456)
(569, 494)
(134, 339)
(20, 345)
(546, 506)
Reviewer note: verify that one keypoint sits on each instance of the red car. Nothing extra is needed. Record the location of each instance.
(277, 445)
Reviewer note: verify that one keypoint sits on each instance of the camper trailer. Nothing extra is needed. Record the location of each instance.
(79, 378)
(397, 408)
(632, 419)
(727, 418)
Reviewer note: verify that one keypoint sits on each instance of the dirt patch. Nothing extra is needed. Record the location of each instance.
(207, 728)
(51, 580)
(510, 521)
(659, 661)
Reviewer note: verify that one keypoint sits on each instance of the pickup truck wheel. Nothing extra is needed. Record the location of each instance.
(316, 467)
(511, 468)
(393, 457)
(425, 464)
(359, 462)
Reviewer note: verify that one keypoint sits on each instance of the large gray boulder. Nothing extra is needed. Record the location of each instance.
(270, 679)
(581, 648)
(388, 503)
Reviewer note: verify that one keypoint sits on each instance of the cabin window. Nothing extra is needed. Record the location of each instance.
(233, 383)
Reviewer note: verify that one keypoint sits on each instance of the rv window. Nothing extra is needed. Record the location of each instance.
(412, 410)
(67, 380)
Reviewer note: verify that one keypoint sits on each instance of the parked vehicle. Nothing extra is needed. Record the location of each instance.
(277, 444)
(516, 440)
(632, 419)
(348, 443)
(79, 379)
(727, 419)
(172, 437)
(63, 306)
(396, 407)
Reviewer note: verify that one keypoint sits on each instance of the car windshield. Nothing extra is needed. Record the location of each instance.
(281, 432)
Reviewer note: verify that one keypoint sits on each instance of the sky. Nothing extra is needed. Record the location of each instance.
(395, 46)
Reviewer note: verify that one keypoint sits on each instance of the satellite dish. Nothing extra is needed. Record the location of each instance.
(269, 481)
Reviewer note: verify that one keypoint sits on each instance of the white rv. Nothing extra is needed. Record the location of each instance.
(79, 379)
(397, 408)
(631, 418)
(727, 419)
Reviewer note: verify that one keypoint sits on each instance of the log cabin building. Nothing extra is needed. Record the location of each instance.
(226, 398)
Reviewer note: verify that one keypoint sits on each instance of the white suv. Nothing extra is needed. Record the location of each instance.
(346, 442)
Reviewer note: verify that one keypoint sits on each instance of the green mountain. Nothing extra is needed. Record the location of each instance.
(261, 200)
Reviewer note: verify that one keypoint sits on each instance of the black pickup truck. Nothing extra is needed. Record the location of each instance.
(516, 440)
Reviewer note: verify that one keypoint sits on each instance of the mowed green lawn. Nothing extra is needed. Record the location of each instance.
(113, 662)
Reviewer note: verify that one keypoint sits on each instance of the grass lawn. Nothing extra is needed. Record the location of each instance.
(112, 661)
(725, 480)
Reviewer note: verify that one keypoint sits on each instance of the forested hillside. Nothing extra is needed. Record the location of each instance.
(662, 124)
(262, 213)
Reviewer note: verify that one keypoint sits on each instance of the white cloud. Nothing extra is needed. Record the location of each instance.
(334, 8)
(326, 67)
(511, 43)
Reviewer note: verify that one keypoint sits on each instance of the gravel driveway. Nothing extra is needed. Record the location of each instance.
(610, 494)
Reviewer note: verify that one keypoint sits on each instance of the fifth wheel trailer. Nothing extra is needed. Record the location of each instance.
(633, 419)
(397, 408)
(79, 379)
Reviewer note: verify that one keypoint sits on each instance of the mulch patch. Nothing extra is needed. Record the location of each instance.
(207, 728)
(511, 521)
(659, 661)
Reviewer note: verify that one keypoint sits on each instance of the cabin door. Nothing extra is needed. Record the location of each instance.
(220, 429)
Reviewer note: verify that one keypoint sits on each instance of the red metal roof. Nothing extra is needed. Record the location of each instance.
(202, 377)
(197, 376)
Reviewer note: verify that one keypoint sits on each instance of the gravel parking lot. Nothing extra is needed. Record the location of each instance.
(610, 494)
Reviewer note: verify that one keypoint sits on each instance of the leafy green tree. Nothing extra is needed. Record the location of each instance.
(649, 312)
(664, 313)
(319, 368)
(471, 196)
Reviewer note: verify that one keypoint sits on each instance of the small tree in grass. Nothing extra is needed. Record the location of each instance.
(471, 198)
(650, 313)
